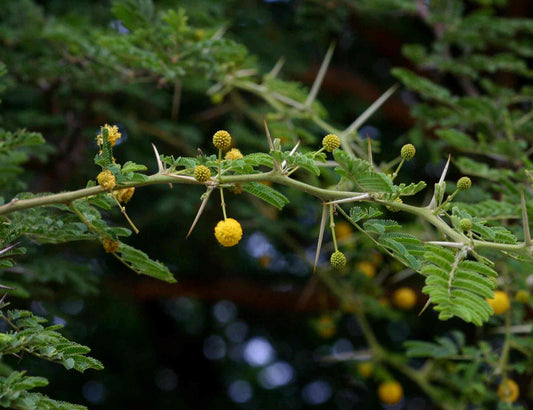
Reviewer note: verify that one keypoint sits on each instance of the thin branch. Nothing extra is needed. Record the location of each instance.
(525, 220)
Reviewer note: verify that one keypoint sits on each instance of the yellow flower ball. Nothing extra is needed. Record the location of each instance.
(367, 268)
(106, 180)
(124, 195)
(110, 246)
(508, 391)
(465, 224)
(365, 369)
(202, 173)
(233, 154)
(522, 296)
(404, 298)
(390, 392)
(408, 152)
(112, 134)
(392, 208)
(500, 303)
(331, 142)
(228, 232)
(217, 98)
(338, 260)
(464, 183)
(326, 326)
(222, 140)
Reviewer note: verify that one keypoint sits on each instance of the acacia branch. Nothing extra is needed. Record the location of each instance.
(275, 177)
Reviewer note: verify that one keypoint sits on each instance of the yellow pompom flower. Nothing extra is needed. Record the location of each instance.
(522, 296)
(464, 183)
(232, 154)
(124, 195)
(393, 208)
(367, 268)
(508, 391)
(365, 369)
(404, 298)
(390, 392)
(222, 140)
(465, 224)
(500, 303)
(217, 98)
(228, 232)
(408, 152)
(338, 260)
(112, 135)
(106, 179)
(110, 246)
(331, 142)
(202, 173)
(326, 326)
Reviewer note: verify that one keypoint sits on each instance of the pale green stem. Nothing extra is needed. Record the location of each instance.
(395, 174)
(332, 227)
(321, 193)
(450, 197)
(84, 219)
(222, 202)
(123, 210)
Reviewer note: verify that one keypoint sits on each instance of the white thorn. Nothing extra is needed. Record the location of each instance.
(352, 199)
(433, 202)
(320, 235)
(159, 163)
(320, 76)
(370, 110)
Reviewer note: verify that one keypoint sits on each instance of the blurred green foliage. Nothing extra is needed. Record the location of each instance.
(173, 72)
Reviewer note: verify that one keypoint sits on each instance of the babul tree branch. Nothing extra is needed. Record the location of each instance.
(274, 177)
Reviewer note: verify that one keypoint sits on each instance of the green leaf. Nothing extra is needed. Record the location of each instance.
(132, 167)
(456, 286)
(361, 173)
(357, 213)
(139, 262)
(297, 159)
(267, 194)
(259, 158)
(444, 348)
(421, 85)
(104, 157)
(411, 189)
(379, 226)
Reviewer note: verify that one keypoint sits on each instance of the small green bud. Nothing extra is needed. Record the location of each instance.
(408, 151)
(331, 142)
(202, 173)
(393, 208)
(464, 184)
(465, 224)
(338, 260)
